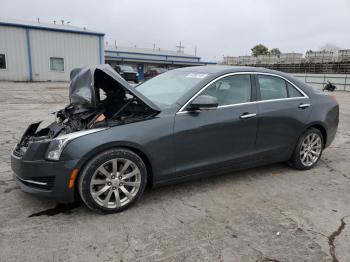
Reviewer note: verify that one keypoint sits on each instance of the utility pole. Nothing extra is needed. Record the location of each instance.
(180, 47)
(195, 50)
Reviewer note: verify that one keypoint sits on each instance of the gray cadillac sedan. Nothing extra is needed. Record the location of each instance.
(113, 139)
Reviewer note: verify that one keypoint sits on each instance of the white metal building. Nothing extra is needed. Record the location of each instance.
(319, 56)
(344, 55)
(46, 52)
(291, 58)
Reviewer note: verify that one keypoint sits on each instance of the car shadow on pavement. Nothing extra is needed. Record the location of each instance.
(58, 209)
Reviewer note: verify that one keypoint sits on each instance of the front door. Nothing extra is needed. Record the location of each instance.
(219, 137)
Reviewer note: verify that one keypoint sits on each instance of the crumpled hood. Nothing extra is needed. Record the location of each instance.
(83, 91)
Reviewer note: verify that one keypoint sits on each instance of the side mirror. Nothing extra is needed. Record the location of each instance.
(203, 102)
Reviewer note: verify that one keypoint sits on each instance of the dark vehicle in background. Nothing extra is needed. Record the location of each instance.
(113, 140)
(154, 72)
(127, 72)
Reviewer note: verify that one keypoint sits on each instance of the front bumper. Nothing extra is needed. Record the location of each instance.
(45, 178)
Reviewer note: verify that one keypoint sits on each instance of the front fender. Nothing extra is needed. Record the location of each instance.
(152, 137)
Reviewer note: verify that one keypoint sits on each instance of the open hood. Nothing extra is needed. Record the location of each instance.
(99, 98)
(86, 83)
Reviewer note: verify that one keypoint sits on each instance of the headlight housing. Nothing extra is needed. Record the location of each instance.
(57, 144)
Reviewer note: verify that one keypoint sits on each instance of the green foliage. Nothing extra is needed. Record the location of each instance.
(275, 51)
(260, 50)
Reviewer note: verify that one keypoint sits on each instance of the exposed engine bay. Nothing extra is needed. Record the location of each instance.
(99, 97)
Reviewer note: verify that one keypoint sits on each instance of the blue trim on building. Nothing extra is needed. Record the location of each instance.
(100, 39)
(30, 69)
(156, 60)
(151, 54)
(51, 29)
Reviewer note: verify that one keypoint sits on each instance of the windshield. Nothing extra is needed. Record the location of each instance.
(167, 88)
(126, 68)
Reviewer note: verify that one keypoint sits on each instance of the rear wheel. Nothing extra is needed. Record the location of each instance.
(113, 181)
(308, 150)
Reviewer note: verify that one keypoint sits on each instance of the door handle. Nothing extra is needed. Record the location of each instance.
(247, 115)
(304, 106)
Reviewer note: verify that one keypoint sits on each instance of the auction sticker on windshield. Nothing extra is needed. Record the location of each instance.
(196, 75)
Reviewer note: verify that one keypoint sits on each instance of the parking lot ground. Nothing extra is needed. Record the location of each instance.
(270, 213)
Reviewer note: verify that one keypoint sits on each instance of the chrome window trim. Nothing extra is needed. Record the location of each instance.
(248, 103)
(181, 110)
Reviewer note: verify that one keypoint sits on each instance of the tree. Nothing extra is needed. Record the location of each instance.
(275, 51)
(260, 50)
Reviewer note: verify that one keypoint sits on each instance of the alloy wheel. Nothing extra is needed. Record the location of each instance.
(115, 183)
(310, 150)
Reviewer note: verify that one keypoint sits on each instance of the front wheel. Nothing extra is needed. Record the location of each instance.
(308, 150)
(113, 180)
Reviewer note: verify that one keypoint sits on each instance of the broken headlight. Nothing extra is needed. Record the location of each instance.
(57, 144)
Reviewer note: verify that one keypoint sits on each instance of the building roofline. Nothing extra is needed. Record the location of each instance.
(141, 53)
(51, 29)
(159, 60)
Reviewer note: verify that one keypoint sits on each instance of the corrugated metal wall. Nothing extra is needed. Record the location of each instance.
(13, 44)
(76, 49)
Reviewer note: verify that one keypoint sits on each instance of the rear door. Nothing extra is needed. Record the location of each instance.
(283, 113)
(218, 137)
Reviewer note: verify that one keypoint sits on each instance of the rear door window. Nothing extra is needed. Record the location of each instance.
(272, 87)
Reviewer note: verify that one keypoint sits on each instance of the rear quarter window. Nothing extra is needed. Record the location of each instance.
(293, 92)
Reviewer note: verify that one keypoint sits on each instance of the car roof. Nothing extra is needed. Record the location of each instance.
(214, 69)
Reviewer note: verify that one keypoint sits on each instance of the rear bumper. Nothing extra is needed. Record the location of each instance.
(331, 135)
(332, 121)
(45, 178)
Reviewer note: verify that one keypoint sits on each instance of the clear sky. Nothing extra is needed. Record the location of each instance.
(217, 27)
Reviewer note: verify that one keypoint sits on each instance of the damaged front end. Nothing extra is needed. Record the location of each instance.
(99, 98)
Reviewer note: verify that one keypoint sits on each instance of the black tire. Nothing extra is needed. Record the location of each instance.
(295, 161)
(90, 169)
